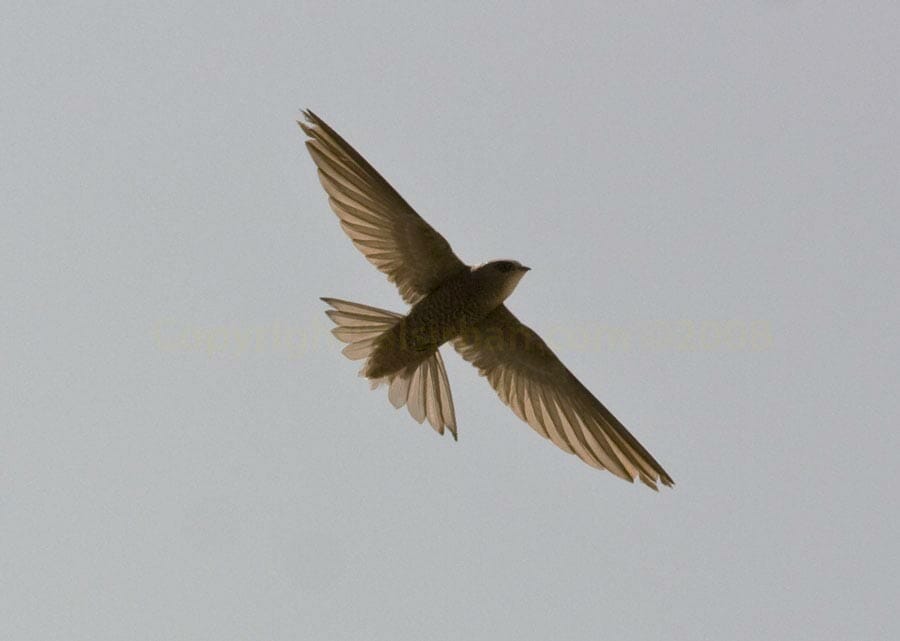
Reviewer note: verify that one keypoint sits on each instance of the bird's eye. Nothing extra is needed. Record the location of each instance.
(505, 266)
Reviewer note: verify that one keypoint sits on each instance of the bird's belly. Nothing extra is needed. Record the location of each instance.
(439, 317)
(442, 316)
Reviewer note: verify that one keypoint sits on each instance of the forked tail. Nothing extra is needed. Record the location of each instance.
(423, 388)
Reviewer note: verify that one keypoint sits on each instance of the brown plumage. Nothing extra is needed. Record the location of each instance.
(452, 302)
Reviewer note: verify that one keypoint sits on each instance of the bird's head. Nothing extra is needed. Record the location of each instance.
(500, 277)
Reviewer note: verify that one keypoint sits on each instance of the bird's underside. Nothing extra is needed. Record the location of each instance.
(521, 368)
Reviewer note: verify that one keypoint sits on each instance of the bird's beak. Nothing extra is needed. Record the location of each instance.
(525, 269)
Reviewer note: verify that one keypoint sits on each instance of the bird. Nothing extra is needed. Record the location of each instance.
(452, 302)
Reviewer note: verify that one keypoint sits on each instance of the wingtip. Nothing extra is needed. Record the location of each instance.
(310, 116)
(663, 478)
(311, 119)
(331, 303)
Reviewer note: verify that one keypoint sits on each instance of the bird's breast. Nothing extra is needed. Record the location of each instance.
(447, 312)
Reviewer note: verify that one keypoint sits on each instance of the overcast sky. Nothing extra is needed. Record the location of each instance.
(707, 192)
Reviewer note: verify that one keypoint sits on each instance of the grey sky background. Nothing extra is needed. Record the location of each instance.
(707, 194)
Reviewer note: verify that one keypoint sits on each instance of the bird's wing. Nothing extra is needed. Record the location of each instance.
(528, 377)
(389, 233)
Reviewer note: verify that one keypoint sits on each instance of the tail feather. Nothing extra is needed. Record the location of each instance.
(423, 387)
